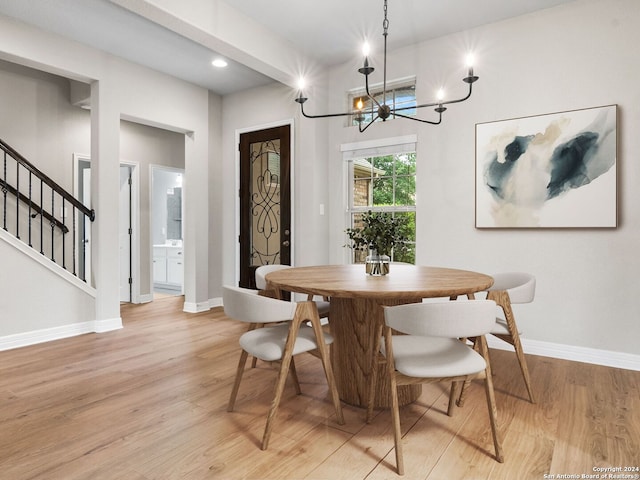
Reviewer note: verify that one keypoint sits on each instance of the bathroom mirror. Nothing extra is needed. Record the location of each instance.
(174, 214)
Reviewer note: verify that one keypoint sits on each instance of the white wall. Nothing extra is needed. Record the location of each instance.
(39, 309)
(35, 105)
(571, 57)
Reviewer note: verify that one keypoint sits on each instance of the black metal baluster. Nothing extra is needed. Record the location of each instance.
(53, 225)
(30, 205)
(17, 200)
(4, 193)
(41, 218)
(83, 246)
(73, 239)
(64, 238)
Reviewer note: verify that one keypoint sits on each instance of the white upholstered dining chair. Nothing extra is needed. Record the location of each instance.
(428, 350)
(289, 336)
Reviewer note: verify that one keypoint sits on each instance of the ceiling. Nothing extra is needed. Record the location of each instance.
(327, 31)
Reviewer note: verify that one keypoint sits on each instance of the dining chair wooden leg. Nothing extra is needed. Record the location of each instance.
(517, 346)
(333, 389)
(397, 435)
(395, 408)
(236, 384)
(491, 400)
(311, 312)
(287, 355)
(523, 366)
(294, 376)
(463, 393)
(453, 393)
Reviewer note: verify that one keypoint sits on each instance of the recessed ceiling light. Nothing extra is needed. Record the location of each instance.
(219, 62)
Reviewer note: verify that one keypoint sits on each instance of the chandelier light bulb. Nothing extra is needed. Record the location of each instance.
(301, 84)
(359, 105)
(366, 49)
(440, 94)
(470, 60)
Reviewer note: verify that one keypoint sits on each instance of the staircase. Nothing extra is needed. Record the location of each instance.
(41, 214)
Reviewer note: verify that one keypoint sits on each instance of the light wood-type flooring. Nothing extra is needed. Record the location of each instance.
(149, 402)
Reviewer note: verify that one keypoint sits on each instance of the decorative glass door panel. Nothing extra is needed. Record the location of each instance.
(265, 203)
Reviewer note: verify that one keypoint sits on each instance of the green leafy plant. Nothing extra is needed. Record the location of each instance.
(382, 232)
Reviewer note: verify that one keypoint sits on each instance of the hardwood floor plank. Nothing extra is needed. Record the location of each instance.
(621, 410)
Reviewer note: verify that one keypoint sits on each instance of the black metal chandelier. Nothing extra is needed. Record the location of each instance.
(384, 111)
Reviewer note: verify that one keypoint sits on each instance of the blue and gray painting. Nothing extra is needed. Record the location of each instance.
(525, 172)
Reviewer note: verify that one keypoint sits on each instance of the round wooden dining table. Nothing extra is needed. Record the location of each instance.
(356, 301)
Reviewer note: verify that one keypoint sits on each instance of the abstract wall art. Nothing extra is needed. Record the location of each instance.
(548, 171)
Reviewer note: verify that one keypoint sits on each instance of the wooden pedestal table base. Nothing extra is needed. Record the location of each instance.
(351, 352)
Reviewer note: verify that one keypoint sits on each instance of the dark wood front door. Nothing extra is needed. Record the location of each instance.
(265, 201)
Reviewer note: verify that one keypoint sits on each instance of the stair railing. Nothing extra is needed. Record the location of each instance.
(32, 201)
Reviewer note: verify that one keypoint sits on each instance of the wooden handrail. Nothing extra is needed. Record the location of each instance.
(47, 180)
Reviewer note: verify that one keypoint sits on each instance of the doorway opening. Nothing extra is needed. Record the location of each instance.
(167, 207)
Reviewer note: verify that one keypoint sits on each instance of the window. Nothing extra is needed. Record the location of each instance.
(382, 180)
(400, 95)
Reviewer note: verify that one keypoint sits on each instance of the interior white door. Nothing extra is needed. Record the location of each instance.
(125, 233)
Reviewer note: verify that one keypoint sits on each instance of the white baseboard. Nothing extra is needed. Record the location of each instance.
(102, 326)
(146, 298)
(57, 333)
(191, 307)
(607, 358)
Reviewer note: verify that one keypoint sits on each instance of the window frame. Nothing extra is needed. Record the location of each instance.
(352, 153)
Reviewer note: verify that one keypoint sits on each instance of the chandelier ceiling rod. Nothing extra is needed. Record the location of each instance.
(384, 111)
